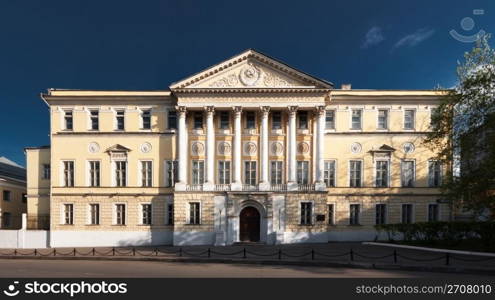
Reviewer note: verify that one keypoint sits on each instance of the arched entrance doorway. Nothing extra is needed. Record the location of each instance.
(249, 223)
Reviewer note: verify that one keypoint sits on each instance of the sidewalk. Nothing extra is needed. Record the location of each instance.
(331, 254)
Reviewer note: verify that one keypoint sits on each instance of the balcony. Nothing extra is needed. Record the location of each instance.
(252, 188)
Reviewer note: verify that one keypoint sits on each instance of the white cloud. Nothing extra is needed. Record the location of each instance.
(415, 38)
(373, 37)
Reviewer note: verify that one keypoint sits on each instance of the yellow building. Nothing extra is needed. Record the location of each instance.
(250, 149)
(13, 194)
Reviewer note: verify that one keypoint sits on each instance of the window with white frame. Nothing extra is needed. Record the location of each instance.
(331, 214)
(94, 173)
(94, 122)
(407, 213)
(194, 213)
(120, 119)
(276, 168)
(146, 214)
(354, 214)
(355, 167)
(68, 177)
(146, 118)
(198, 171)
(407, 173)
(170, 212)
(68, 120)
(409, 116)
(120, 214)
(146, 173)
(46, 171)
(250, 120)
(250, 172)
(171, 170)
(68, 214)
(329, 173)
(330, 119)
(382, 171)
(356, 119)
(306, 213)
(224, 120)
(172, 119)
(433, 212)
(224, 172)
(303, 172)
(434, 173)
(94, 214)
(382, 119)
(303, 119)
(120, 173)
(276, 120)
(380, 214)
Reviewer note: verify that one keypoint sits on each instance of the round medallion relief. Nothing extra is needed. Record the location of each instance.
(145, 147)
(224, 148)
(197, 148)
(303, 148)
(408, 147)
(356, 148)
(249, 75)
(250, 148)
(277, 148)
(93, 147)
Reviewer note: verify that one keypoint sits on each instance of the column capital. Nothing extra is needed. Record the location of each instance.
(292, 109)
(237, 110)
(210, 109)
(181, 108)
(320, 110)
(265, 110)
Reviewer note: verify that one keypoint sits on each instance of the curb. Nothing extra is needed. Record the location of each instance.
(357, 265)
(460, 252)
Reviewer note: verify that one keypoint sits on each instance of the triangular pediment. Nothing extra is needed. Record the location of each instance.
(384, 148)
(251, 69)
(118, 148)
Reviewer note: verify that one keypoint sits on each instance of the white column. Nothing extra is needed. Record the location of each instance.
(237, 183)
(320, 142)
(292, 183)
(210, 149)
(182, 152)
(264, 184)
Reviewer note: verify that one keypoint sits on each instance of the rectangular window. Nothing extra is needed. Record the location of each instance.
(146, 211)
(224, 172)
(250, 120)
(171, 172)
(146, 119)
(330, 119)
(94, 119)
(355, 173)
(302, 172)
(172, 119)
(46, 171)
(434, 173)
(170, 211)
(120, 173)
(68, 173)
(329, 173)
(433, 213)
(407, 214)
(407, 173)
(94, 213)
(198, 172)
(380, 214)
(356, 118)
(276, 120)
(94, 173)
(120, 119)
(120, 217)
(68, 121)
(306, 213)
(382, 119)
(303, 120)
(68, 214)
(331, 214)
(250, 172)
(381, 173)
(276, 172)
(6, 195)
(146, 173)
(354, 214)
(6, 219)
(409, 119)
(198, 120)
(194, 213)
(224, 120)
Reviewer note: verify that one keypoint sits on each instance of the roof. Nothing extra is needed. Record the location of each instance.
(11, 170)
(106, 93)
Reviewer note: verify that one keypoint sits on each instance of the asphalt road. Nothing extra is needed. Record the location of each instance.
(136, 269)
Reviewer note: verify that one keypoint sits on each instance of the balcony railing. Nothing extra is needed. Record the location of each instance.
(222, 187)
(194, 187)
(251, 188)
(306, 187)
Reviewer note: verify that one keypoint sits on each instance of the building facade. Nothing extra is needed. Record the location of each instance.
(13, 193)
(250, 149)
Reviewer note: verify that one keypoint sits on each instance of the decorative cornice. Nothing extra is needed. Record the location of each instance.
(249, 90)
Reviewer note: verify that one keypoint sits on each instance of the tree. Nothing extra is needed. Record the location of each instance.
(463, 133)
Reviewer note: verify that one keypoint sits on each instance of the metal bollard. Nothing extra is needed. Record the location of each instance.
(312, 254)
(209, 252)
(74, 252)
(395, 256)
(244, 256)
(35, 252)
(113, 251)
(180, 251)
(352, 255)
(133, 251)
(279, 254)
(447, 259)
(94, 251)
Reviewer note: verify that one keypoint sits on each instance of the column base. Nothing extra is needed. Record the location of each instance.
(320, 186)
(292, 186)
(236, 186)
(208, 186)
(180, 186)
(264, 186)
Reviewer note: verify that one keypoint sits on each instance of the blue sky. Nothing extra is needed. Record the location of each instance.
(150, 44)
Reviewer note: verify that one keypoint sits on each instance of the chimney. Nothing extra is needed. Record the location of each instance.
(346, 86)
